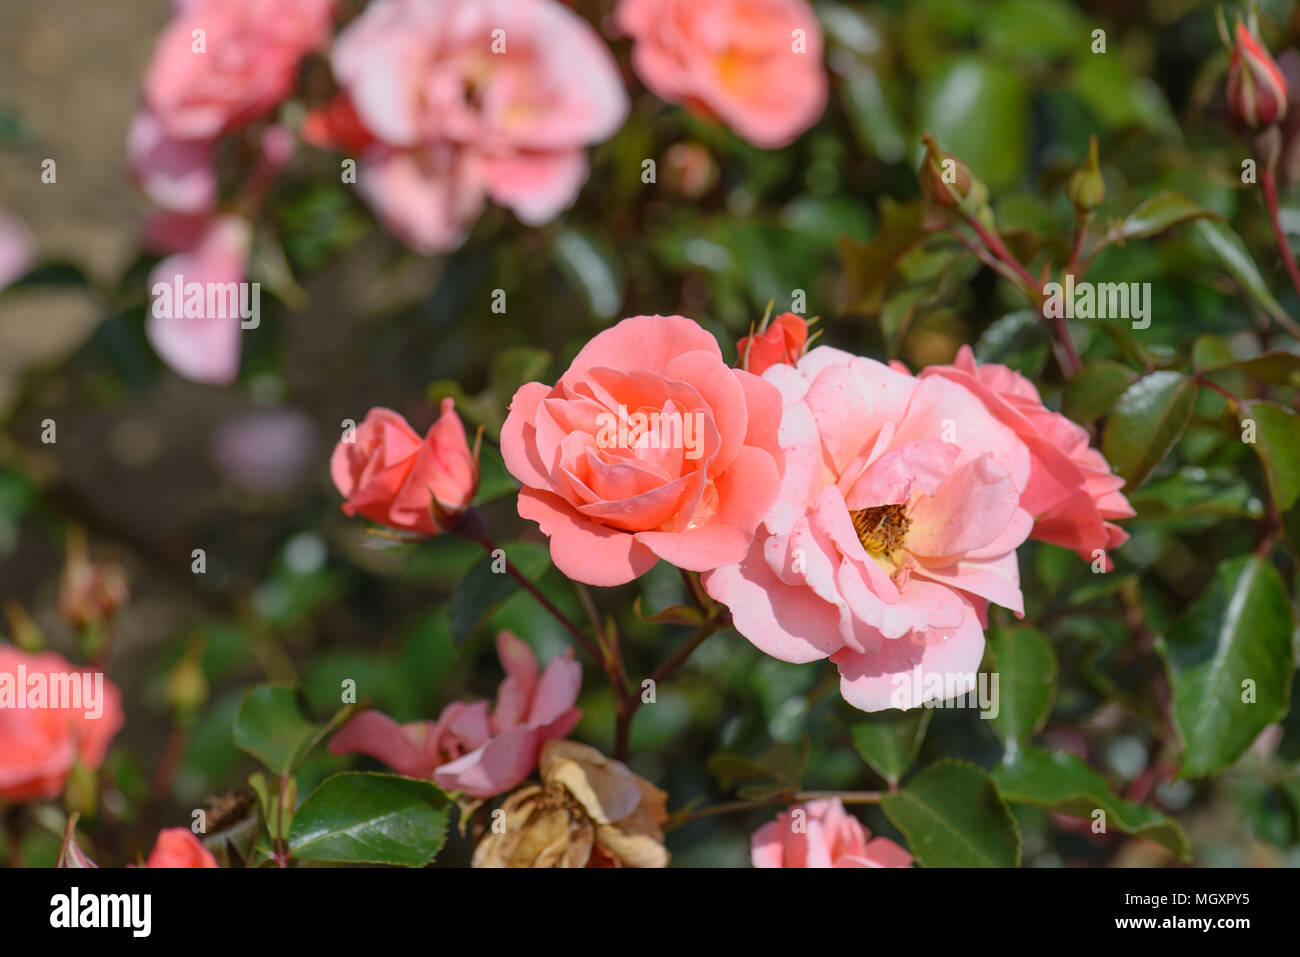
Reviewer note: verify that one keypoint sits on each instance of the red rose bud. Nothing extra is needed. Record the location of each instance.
(945, 179)
(1256, 88)
(780, 343)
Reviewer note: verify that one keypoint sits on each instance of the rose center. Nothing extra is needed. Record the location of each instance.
(881, 528)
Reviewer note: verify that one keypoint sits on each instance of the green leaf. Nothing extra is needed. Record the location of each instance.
(869, 267)
(777, 770)
(1065, 784)
(1275, 368)
(269, 725)
(1091, 394)
(1233, 643)
(979, 110)
(1277, 443)
(889, 741)
(1027, 669)
(483, 588)
(1147, 421)
(1158, 213)
(1228, 248)
(277, 804)
(361, 818)
(591, 270)
(953, 816)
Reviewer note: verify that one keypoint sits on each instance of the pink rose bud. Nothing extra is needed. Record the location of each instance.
(390, 475)
(781, 343)
(1256, 88)
(177, 847)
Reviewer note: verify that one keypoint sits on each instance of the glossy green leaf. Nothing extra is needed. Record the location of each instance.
(361, 818)
(1275, 368)
(1093, 391)
(889, 740)
(1065, 784)
(953, 816)
(591, 270)
(270, 726)
(488, 584)
(1276, 434)
(1158, 213)
(979, 110)
(1231, 252)
(1027, 670)
(1148, 419)
(1230, 661)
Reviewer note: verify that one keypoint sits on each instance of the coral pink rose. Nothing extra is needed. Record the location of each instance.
(782, 342)
(755, 64)
(467, 749)
(648, 447)
(1071, 493)
(242, 64)
(177, 847)
(390, 475)
(896, 525)
(470, 100)
(40, 744)
(200, 347)
(822, 834)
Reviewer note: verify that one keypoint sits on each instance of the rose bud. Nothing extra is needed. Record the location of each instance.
(1086, 188)
(90, 592)
(1256, 88)
(945, 179)
(780, 342)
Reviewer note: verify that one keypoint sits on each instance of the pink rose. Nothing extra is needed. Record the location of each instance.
(196, 345)
(822, 834)
(390, 475)
(782, 342)
(220, 64)
(648, 447)
(755, 64)
(1071, 492)
(467, 749)
(39, 744)
(896, 525)
(470, 100)
(177, 847)
(177, 174)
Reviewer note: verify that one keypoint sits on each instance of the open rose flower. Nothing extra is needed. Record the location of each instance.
(897, 523)
(391, 476)
(822, 834)
(589, 811)
(40, 744)
(177, 847)
(466, 100)
(755, 64)
(648, 447)
(1071, 492)
(782, 342)
(469, 749)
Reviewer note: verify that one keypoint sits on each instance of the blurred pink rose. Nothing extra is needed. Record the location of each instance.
(15, 249)
(40, 744)
(219, 64)
(897, 524)
(467, 749)
(1071, 492)
(177, 847)
(754, 64)
(648, 447)
(390, 475)
(822, 834)
(470, 100)
(177, 174)
(213, 253)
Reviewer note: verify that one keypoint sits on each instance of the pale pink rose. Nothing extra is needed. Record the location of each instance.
(240, 67)
(896, 525)
(648, 447)
(470, 100)
(469, 749)
(822, 834)
(754, 64)
(390, 475)
(1071, 493)
(177, 847)
(177, 174)
(194, 345)
(40, 744)
(16, 245)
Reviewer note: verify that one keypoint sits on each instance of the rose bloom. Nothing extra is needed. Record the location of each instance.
(782, 342)
(896, 525)
(391, 476)
(469, 749)
(468, 100)
(177, 847)
(822, 834)
(1071, 492)
(648, 447)
(40, 745)
(738, 60)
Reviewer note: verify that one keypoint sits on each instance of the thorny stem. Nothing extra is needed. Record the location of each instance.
(1268, 187)
(785, 797)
